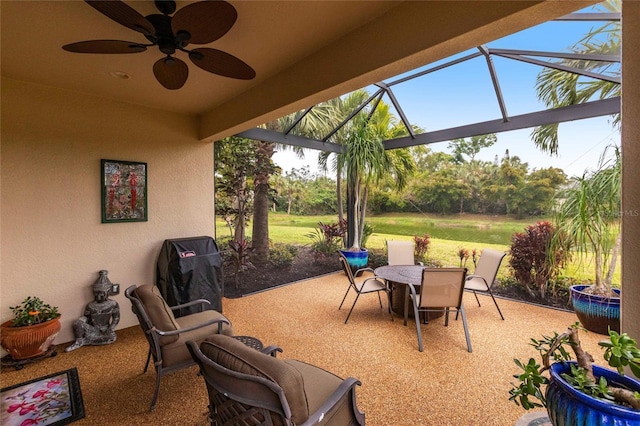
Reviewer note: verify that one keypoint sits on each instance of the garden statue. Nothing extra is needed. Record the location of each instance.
(97, 325)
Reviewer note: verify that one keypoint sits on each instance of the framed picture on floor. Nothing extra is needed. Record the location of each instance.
(54, 400)
(124, 191)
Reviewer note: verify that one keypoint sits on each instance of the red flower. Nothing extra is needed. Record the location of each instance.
(29, 422)
(54, 383)
(23, 406)
(40, 393)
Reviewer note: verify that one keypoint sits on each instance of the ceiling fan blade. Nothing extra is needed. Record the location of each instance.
(221, 63)
(104, 46)
(123, 14)
(205, 21)
(171, 72)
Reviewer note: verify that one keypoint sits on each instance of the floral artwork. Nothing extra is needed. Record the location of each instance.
(124, 191)
(51, 400)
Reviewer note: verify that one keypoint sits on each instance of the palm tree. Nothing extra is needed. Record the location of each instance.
(560, 88)
(365, 161)
(588, 219)
(587, 216)
(311, 125)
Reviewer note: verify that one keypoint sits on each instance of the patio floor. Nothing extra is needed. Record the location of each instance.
(444, 385)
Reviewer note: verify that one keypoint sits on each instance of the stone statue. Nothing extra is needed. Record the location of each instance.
(97, 325)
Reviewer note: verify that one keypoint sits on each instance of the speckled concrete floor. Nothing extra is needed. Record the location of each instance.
(444, 385)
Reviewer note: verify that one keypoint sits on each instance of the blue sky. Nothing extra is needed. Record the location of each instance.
(463, 94)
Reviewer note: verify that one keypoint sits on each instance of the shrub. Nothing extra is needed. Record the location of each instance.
(534, 264)
(421, 247)
(328, 238)
(367, 231)
(240, 257)
(282, 255)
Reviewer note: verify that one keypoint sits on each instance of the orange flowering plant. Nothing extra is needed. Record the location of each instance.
(32, 311)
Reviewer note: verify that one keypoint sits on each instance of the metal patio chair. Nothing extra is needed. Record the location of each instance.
(166, 334)
(368, 285)
(441, 288)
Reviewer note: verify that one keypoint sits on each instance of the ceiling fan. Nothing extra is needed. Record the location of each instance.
(197, 23)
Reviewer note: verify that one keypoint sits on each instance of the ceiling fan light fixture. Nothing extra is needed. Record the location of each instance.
(120, 75)
(200, 22)
(196, 56)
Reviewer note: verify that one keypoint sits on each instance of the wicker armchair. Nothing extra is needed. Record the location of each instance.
(247, 386)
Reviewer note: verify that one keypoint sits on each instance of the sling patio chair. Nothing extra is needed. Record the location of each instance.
(368, 285)
(485, 274)
(400, 253)
(441, 288)
(166, 334)
(250, 387)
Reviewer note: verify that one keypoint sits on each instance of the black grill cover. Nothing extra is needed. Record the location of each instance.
(190, 269)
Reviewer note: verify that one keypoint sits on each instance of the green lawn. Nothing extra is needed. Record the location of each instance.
(448, 235)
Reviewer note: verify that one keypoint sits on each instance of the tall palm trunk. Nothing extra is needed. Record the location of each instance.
(260, 232)
(614, 260)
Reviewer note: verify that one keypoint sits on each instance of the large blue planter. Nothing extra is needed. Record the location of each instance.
(596, 313)
(568, 406)
(356, 259)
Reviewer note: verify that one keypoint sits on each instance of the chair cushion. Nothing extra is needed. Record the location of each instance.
(176, 352)
(236, 356)
(319, 384)
(159, 312)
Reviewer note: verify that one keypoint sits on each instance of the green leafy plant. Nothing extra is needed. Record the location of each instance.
(282, 255)
(367, 231)
(589, 220)
(620, 351)
(32, 311)
(327, 238)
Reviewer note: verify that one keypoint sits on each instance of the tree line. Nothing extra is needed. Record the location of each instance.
(442, 184)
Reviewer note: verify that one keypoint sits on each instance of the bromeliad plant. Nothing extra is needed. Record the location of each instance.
(620, 351)
(32, 311)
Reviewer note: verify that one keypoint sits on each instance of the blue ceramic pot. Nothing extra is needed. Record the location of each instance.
(596, 313)
(356, 259)
(568, 406)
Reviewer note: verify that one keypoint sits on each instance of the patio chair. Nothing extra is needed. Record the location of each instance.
(441, 288)
(400, 253)
(368, 285)
(167, 334)
(485, 274)
(246, 387)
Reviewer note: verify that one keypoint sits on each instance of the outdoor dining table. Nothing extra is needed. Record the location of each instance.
(400, 276)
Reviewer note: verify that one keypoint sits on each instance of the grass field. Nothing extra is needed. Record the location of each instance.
(448, 234)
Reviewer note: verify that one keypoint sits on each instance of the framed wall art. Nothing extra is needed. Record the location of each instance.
(53, 400)
(124, 191)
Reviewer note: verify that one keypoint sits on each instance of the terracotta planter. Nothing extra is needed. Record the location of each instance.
(568, 406)
(29, 341)
(596, 313)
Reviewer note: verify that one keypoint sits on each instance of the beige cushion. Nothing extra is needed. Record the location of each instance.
(176, 352)
(159, 312)
(236, 356)
(319, 384)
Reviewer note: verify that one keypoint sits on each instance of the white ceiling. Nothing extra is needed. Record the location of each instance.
(302, 51)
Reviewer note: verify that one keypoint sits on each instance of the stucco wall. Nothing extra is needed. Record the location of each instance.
(53, 241)
(630, 300)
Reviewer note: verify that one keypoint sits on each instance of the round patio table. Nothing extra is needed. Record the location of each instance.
(400, 276)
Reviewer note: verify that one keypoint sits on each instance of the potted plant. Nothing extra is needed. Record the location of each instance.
(588, 221)
(32, 330)
(365, 162)
(578, 390)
